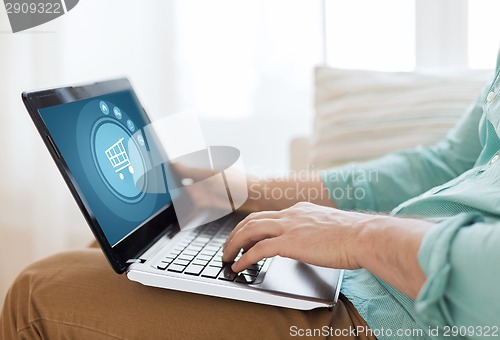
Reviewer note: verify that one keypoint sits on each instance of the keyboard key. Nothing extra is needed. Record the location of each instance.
(250, 272)
(203, 257)
(200, 262)
(216, 264)
(194, 248)
(183, 256)
(181, 262)
(254, 267)
(193, 269)
(190, 252)
(211, 272)
(227, 274)
(202, 239)
(242, 278)
(176, 268)
(208, 252)
(162, 266)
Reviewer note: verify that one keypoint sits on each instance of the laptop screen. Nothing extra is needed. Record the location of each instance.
(101, 140)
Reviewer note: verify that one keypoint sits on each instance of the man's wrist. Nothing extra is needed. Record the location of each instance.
(281, 193)
(365, 237)
(388, 246)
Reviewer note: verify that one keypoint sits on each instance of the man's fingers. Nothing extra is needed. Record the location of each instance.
(251, 217)
(254, 231)
(266, 248)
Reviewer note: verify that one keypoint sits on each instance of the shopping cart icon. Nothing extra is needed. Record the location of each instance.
(118, 158)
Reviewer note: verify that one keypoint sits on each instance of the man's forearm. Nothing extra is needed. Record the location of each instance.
(281, 193)
(388, 247)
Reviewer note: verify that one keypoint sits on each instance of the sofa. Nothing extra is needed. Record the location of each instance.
(361, 114)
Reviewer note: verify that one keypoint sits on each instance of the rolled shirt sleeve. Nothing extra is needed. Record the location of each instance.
(461, 259)
(382, 184)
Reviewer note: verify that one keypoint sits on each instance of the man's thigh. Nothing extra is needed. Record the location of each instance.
(77, 295)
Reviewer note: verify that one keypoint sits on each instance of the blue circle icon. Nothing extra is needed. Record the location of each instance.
(117, 112)
(119, 161)
(130, 125)
(104, 107)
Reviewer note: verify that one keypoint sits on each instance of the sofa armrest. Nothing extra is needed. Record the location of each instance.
(299, 153)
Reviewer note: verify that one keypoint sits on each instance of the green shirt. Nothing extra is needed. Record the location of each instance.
(455, 183)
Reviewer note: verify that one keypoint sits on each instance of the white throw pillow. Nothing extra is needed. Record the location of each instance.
(364, 114)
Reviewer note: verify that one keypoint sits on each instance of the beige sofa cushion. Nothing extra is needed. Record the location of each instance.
(364, 114)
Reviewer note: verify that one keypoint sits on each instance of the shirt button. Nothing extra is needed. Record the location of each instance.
(490, 96)
(494, 159)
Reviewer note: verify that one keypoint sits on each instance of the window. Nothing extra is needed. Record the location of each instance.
(394, 35)
(246, 67)
(484, 33)
(371, 34)
(248, 58)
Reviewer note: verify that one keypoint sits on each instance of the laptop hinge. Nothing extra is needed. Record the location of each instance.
(136, 261)
(153, 250)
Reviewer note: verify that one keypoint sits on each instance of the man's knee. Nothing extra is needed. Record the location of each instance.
(16, 311)
(35, 289)
(14, 316)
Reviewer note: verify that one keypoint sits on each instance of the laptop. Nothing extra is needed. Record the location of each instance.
(90, 130)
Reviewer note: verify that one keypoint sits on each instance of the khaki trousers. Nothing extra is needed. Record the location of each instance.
(76, 295)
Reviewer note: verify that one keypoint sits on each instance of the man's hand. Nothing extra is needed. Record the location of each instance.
(306, 232)
(386, 246)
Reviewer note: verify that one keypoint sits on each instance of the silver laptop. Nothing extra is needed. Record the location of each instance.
(91, 131)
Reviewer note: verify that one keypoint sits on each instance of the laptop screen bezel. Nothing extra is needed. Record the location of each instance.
(141, 239)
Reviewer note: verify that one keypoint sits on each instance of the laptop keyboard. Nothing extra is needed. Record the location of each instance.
(200, 254)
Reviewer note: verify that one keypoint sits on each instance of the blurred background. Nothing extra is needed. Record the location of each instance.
(245, 66)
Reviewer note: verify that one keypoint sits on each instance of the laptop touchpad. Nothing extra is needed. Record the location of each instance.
(301, 279)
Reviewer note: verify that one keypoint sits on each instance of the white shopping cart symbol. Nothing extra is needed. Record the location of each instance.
(118, 158)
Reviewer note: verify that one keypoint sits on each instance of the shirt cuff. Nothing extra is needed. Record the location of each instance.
(434, 258)
(349, 187)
